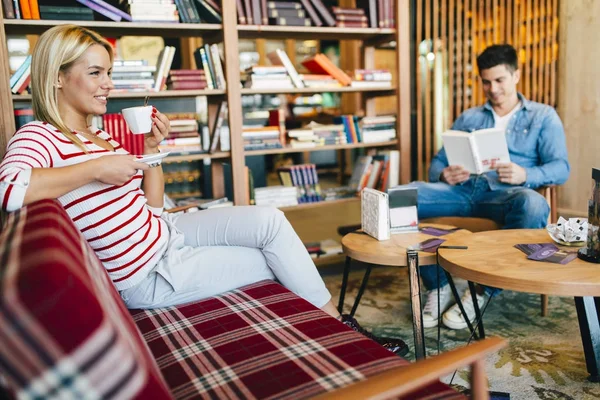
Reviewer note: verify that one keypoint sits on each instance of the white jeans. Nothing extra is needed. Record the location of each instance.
(213, 251)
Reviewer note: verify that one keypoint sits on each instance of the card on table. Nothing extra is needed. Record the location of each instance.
(429, 245)
(437, 231)
(546, 252)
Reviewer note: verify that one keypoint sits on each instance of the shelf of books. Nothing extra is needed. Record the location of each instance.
(167, 29)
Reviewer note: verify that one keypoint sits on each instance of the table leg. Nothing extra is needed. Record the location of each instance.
(589, 325)
(412, 260)
(459, 303)
(478, 316)
(363, 286)
(344, 284)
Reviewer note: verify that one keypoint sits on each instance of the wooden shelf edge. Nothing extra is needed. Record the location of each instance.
(297, 32)
(319, 148)
(141, 95)
(21, 24)
(390, 90)
(196, 157)
(306, 206)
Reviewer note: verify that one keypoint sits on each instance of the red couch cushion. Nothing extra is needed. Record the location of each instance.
(262, 341)
(64, 331)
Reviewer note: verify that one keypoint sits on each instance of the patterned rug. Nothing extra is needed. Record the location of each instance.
(544, 358)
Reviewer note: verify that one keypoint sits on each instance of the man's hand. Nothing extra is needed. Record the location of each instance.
(454, 174)
(511, 173)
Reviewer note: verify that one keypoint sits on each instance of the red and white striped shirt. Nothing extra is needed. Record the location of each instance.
(127, 235)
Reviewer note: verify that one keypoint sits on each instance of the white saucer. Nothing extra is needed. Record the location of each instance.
(153, 159)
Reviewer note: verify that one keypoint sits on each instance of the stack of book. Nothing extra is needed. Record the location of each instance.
(291, 13)
(66, 13)
(184, 136)
(350, 17)
(143, 11)
(19, 81)
(267, 77)
(260, 138)
(132, 75)
(303, 177)
(276, 196)
(287, 14)
(378, 129)
(186, 79)
(380, 78)
(208, 59)
(315, 134)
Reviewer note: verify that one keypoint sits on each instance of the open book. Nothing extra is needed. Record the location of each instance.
(477, 150)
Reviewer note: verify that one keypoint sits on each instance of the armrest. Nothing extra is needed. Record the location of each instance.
(403, 380)
(181, 208)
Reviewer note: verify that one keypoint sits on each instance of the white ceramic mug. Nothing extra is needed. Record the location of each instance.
(139, 119)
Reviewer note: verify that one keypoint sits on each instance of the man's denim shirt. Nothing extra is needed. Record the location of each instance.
(536, 141)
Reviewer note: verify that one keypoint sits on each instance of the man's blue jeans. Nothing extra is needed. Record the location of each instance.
(517, 207)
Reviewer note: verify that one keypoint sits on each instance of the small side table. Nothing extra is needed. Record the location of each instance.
(394, 252)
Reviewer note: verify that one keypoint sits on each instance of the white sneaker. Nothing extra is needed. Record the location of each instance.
(430, 311)
(453, 318)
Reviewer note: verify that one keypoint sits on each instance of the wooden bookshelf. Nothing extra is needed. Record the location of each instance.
(320, 148)
(229, 33)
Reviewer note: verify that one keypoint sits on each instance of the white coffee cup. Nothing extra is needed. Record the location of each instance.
(139, 119)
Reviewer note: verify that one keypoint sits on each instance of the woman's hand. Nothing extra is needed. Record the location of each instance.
(160, 130)
(116, 169)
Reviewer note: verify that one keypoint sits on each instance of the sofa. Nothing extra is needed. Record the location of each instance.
(65, 333)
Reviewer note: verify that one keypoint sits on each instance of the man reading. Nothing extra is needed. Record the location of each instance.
(506, 194)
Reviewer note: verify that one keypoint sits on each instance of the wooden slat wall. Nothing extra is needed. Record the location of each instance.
(464, 28)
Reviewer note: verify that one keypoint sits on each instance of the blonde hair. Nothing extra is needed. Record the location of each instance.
(56, 51)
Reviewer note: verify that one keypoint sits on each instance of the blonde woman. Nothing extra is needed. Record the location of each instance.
(154, 259)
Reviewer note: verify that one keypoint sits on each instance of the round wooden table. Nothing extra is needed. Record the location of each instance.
(395, 252)
(491, 259)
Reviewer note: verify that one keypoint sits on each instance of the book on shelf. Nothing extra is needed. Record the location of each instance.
(23, 116)
(320, 64)
(312, 13)
(163, 66)
(285, 13)
(220, 121)
(8, 9)
(280, 57)
(239, 5)
(208, 11)
(476, 151)
(290, 21)
(305, 178)
(324, 12)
